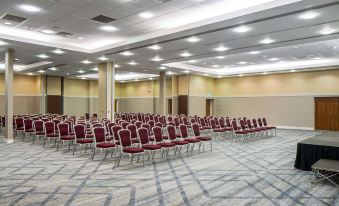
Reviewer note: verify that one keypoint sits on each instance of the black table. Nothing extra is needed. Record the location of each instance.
(309, 151)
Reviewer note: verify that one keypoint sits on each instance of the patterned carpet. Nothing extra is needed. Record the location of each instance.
(256, 173)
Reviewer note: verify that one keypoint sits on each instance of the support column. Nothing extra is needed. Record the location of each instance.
(162, 93)
(106, 90)
(9, 61)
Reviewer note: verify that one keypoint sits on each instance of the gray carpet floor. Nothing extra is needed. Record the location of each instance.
(260, 172)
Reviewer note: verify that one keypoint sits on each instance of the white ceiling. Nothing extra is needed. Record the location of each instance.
(278, 20)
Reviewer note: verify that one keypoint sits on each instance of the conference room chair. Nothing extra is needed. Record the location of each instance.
(146, 145)
(260, 125)
(101, 143)
(250, 132)
(184, 136)
(259, 131)
(124, 124)
(216, 130)
(19, 125)
(128, 148)
(134, 135)
(39, 130)
(65, 135)
(174, 138)
(56, 122)
(28, 128)
(70, 126)
(264, 121)
(237, 132)
(115, 129)
(203, 139)
(81, 138)
(50, 132)
(160, 140)
(110, 133)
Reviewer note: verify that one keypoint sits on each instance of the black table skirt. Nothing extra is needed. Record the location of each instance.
(308, 154)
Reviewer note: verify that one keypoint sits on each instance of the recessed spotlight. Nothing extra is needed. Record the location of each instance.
(145, 70)
(109, 28)
(309, 15)
(122, 81)
(58, 51)
(150, 78)
(220, 57)
(86, 61)
(254, 52)
(43, 56)
(240, 75)
(273, 59)
(30, 8)
(2, 43)
(48, 31)
(157, 59)
(136, 80)
(117, 65)
(185, 54)
(206, 74)
(242, 29)
(81, 71)
(292, 70)
(192, 61)
(264, 73)
(169, 73)
(267, 41)
(41, 71)
(193, 39)
(127, 53)
(327, 31)
(103, 58)
(133, 63)
(219, 76)
(215, 66)
(146, 15)
(53, 68)
(316, 58)
(83, 78)
(162, 67)
(242, 63)
(186, 71)
(155, 47)
(8, 23)
(80, 38)
(131, 73)
(220, 48)
(95, 69)
(30, 73)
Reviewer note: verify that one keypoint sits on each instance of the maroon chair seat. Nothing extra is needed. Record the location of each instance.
(191, 140)
(136, 141)
(89, 136)
(29, 130)
(52, 135)
(40, 133)
(165, 137)
(67, 137)
(84, 141)
(204, 138)
(105, 145)
(218, 130)
(151, 146)
(20, 129)
(166, 144)
(180, 142)
(206, 127)
(133, 150)
(240, 132)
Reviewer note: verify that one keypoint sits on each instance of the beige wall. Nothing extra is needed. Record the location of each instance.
(201, 86)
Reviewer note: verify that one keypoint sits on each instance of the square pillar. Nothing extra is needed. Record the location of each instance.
(9, 62)
(162, 93)
(106, 90)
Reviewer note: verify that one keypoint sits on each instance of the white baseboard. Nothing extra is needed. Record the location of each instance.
(299, 128)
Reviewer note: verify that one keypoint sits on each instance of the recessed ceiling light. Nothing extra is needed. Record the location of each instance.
(117, 65)
(193, 39)
(169, 73)
(53, 68)
(267, 41)
(58, 51)
(327, 31)
(146, 15)
(127, 53)
(2, 43)
(264, 73)
(81, 71)
(109, 28)
(48, 31)
(242, 63)
(80, 38)
(162, 67)
(185, 54)
(215, 66)
(309, 15)
(86, 61)
(103, 58)
(292, 70)
(255, 52)
(133, 63)
(131, 73)
(273, 59)
(220, 57)
(240, 75)
(41, 71)
(136, 80)
(186, 71)
(95, 69)
(157, 59)
(83, 78)
(242, 29)
(145, 70)
(150, 78)
(122, 81)
(30, 73)
(220, 48)
(219, 76)
(316, 58)
(206, 74)
(155, 47)
(8, 23)
(30, 8)
(43, 56)
(192, 61)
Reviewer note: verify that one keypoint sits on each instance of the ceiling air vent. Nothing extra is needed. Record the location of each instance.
(163, 1)
(103, 19)
(65, 34)
(13, 18)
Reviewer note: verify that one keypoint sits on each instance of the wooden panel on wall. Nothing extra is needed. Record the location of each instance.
(54, 104)
(327, 113)
(183, 104)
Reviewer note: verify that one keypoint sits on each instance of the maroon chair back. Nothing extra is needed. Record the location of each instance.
(171, 132)
(70, 125)
(133, 129)
(99, 134)
(185, 120)
(162, 120)
(260, 122)
(228, 123)
(176, 121)
(151, 123)
(124, 125)
(87, 116)
(80, 131)
(249, 124)
(254, 121)
(45, 119)
(196, 130)
(95, 125)
(158, 124)
(234, 125)
(143, 135)
(202, 122)
(212, 123)
(157, 131)
(138, 124)
(19, 122)
(49, 127)
(148, 127)
(115, 129)
(63, 129)
(264, 121)
(56, 122)
(3, 121)
(28, 124)
(222, 123)
(169, 119)
(146, 119)
(183, 131)
(39, 126)
(216, 120)
(95, 115)
(125, 138)
(156, 118)
(109, 128)
(242, 124)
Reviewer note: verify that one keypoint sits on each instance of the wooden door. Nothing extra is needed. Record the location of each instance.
(208, 107)
(54, 104)
(183, 104)
(327, 113)
(169, 106)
